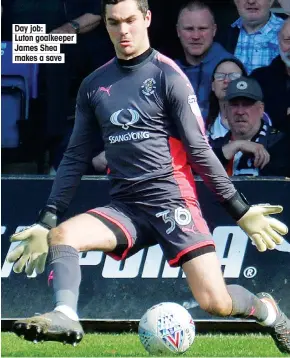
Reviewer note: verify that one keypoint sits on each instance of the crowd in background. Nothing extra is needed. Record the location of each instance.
(240, 74)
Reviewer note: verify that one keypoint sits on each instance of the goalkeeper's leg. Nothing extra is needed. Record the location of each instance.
(209, 289)
(81, 233)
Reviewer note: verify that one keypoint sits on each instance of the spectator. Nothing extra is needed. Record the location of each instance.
(225, 71)
(251, 147)
(253, 37)
(275, 82)
(196, 29)
(285, 5)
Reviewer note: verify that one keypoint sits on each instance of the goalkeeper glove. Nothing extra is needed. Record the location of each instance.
(33, 248)
(263, 230)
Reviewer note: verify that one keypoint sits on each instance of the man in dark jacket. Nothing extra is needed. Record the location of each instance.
(196, 29)
(251, 147)
(275, 82)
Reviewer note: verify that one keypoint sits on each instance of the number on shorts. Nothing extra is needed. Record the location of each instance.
(182, 216)
(167, 219)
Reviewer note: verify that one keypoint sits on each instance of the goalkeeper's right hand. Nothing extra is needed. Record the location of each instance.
(33, 248)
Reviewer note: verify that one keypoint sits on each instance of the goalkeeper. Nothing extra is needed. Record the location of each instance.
(152, 131)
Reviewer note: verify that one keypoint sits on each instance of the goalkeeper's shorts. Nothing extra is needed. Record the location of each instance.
(177, 227)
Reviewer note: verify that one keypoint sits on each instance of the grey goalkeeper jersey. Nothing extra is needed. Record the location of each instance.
(152, 130)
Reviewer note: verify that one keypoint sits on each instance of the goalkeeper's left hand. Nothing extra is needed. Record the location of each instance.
(263, 230)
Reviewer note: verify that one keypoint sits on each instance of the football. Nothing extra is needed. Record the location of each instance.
(166, 327)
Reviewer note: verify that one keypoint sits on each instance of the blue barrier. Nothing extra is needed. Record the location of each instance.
(111, 290)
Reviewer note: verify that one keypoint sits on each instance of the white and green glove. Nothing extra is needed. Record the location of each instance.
(263, 230)
(32, 251)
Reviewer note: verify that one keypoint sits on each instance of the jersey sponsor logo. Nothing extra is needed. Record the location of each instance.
(148, 86)
(114, 119)
(128, 137)
(125, 123)
(231, 245)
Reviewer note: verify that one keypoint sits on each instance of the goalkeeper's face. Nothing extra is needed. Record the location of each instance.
(244, 116)
(128, 28)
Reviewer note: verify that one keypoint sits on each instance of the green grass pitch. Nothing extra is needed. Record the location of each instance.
(128, 345)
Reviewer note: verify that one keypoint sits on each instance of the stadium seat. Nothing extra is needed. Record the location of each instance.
(13, 109)
(29, 71)
(19, 85)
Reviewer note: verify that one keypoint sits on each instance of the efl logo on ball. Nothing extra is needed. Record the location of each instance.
(166, 327)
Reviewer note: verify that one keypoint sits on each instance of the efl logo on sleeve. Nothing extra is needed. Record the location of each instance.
(192, 101)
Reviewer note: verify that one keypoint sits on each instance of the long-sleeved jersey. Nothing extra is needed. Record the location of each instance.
(152, 131)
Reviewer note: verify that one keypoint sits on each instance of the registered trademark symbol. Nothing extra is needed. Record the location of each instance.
(250, 272)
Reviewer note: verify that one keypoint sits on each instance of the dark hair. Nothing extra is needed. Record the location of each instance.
(213, 100)
(142, 6)
(196, 5)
